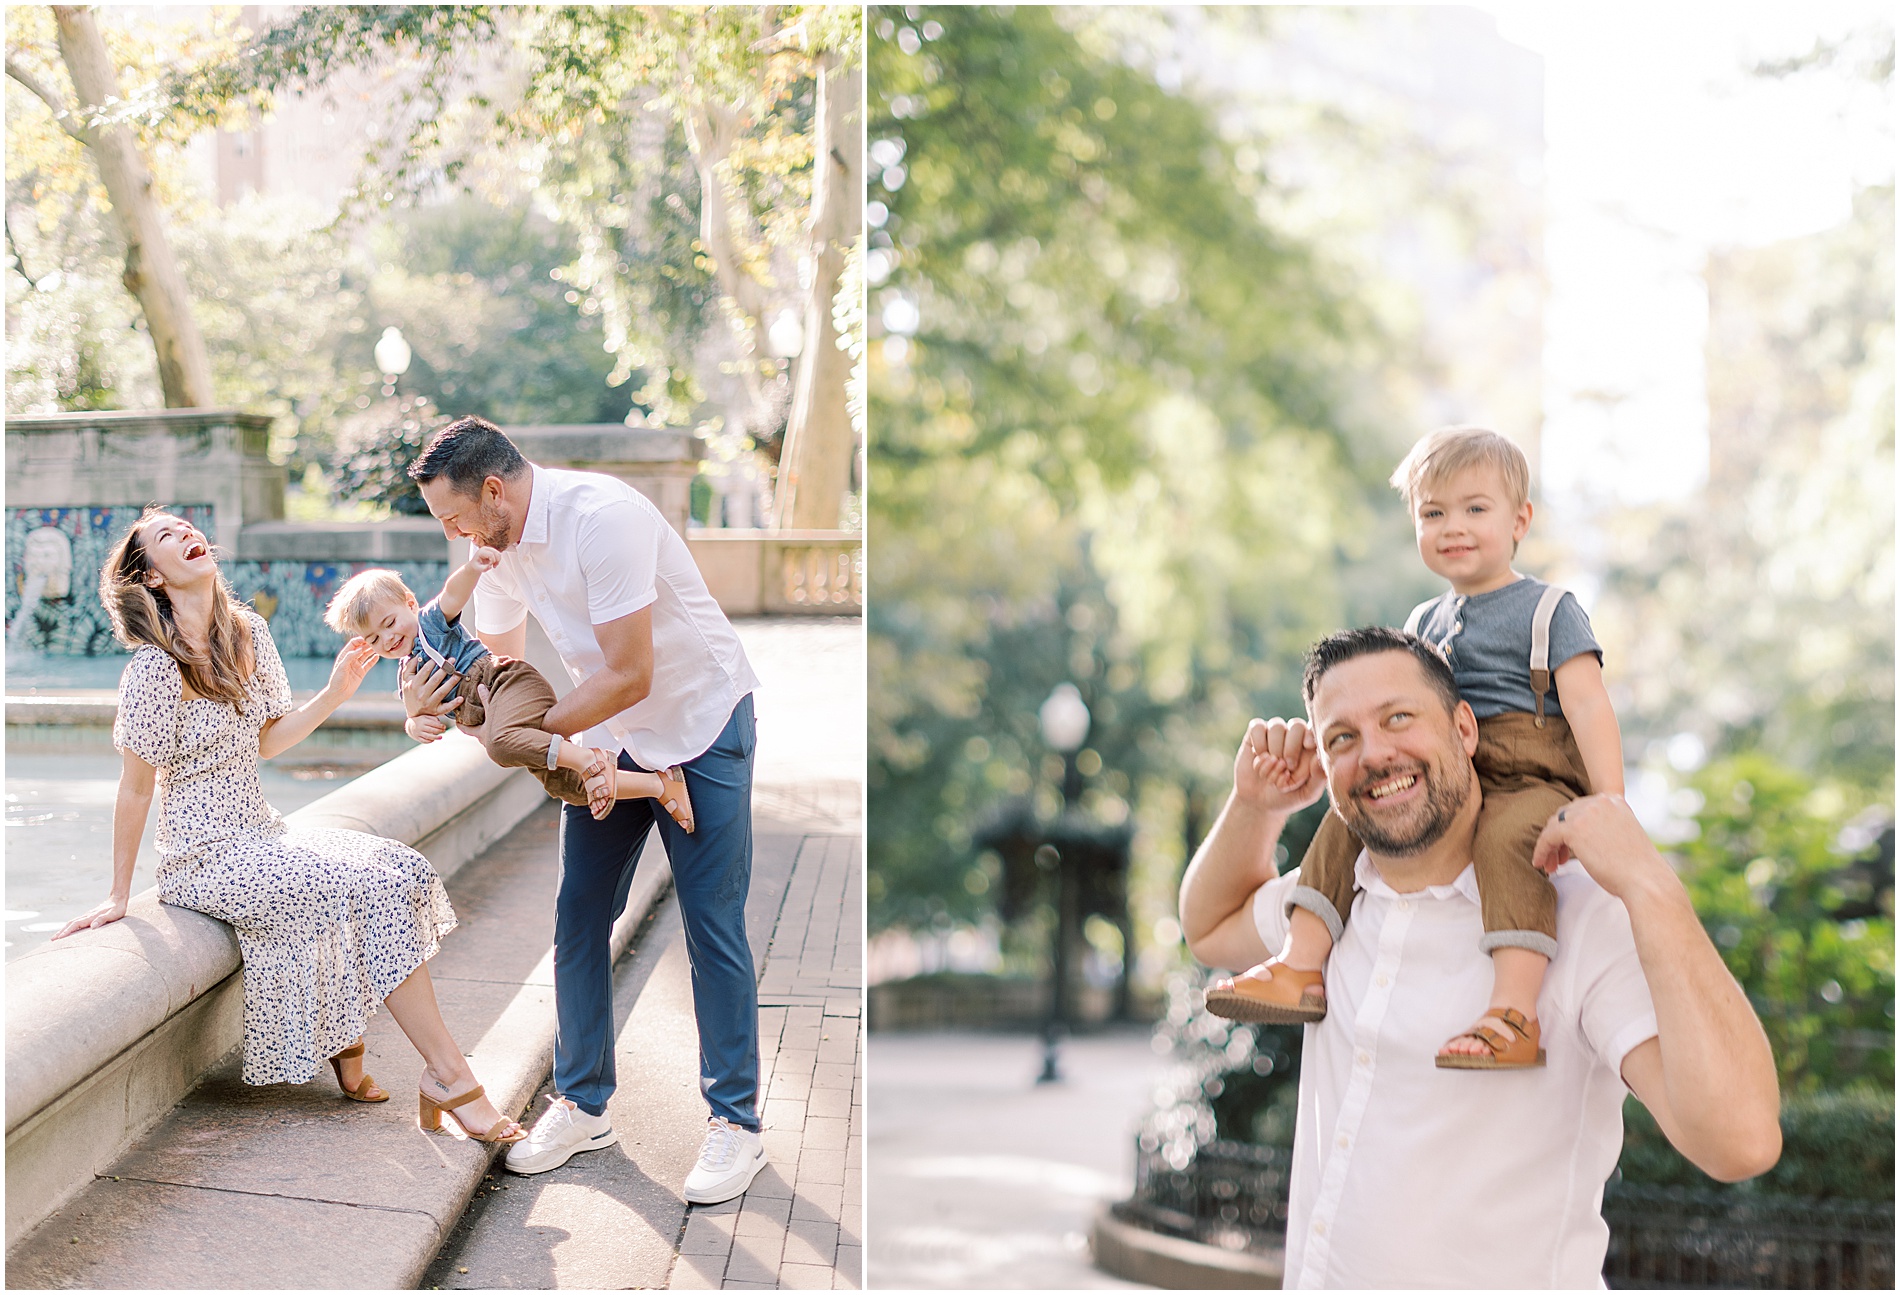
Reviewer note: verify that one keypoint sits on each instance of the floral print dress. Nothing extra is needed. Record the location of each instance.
(328, 921)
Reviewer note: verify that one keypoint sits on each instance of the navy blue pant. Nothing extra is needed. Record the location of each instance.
(712, 872)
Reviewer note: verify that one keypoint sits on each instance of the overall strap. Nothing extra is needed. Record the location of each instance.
(1540, 645)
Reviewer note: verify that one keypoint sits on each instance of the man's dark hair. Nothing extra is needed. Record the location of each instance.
(468, 452)
(1335, 649)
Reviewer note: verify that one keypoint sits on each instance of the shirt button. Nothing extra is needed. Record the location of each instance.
(1319, 1229)
(1365, 1058)
(1405, 905)
(1384, 980)
(1344, 1141)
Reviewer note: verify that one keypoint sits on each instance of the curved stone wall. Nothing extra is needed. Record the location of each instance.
(107, 1029)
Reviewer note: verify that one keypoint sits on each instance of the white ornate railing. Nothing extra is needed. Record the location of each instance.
(769, 573)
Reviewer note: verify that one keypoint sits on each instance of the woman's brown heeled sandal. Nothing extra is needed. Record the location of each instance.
(1520, 1053)
(429, 1116)
(366, 1089)
(673, 797)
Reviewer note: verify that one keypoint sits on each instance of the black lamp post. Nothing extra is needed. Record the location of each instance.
(1064, 720)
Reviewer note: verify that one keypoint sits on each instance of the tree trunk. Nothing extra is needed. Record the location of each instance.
(711, 130)
(815, 469)
(151, 271)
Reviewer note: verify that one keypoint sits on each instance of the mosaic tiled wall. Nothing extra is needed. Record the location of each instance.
(291, 595)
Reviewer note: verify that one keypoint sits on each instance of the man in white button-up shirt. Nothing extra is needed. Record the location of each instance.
(1408, 1175)
(660, 676)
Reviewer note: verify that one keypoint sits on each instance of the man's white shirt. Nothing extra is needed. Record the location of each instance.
(1406, 1175)
(592, 550)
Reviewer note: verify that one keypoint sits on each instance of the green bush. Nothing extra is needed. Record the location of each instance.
(1803, 916)
(1836, 1145)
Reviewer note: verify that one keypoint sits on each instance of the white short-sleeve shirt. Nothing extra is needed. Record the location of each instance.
(592, 550)
(1405, 1175)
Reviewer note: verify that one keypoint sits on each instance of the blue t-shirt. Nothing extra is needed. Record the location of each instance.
(441, 641)
(1487, 638)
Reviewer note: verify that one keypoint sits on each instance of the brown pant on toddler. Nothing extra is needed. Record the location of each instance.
(519, 699)
(1526, 773)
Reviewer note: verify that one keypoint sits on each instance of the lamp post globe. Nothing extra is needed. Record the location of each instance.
(393, 353)
(1064, 719)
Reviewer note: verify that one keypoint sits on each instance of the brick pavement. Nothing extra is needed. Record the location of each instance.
(800, 1227)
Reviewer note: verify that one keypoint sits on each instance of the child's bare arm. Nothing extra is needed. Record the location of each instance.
(1586, 704)
(460, 586)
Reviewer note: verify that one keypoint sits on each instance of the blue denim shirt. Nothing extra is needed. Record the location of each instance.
(441, 641)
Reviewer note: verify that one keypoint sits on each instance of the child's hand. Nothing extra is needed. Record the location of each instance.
(425, 728)
(485, 558)
(1277, 767)
(352, 663)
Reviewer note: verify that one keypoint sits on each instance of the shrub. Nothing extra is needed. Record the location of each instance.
(1835, 1145)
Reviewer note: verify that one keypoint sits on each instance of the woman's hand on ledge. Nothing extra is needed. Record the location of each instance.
(100, 915)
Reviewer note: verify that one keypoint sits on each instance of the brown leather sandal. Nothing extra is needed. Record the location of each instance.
(673, 797)
(366, 1089)
(429, 1116)
(1520, 1053)
(1270, 994)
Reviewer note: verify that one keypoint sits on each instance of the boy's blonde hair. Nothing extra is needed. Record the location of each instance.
(355, 602)
(1448, 450)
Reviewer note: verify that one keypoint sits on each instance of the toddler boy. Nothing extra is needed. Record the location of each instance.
(1510, 639)
(379, 607)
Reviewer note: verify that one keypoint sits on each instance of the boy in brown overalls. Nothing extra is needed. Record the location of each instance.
(1509, 640)
(379, 607)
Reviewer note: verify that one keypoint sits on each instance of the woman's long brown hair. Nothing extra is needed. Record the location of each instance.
(141, 615)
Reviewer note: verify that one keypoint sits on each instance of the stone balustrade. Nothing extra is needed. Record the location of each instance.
(778, 573)
(108, 1029)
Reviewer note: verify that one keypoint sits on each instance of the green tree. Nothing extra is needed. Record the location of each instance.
(1110, 446)
(617, 105)
(82, 92)
(1807, 934)
(1760, 614)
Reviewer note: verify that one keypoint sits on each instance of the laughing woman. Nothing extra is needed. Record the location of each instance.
(329, 922)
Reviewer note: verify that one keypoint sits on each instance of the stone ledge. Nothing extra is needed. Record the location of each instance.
(97, 1041)
(1172, 1263)
(288, 1187)
(97, 708)
(400, 539)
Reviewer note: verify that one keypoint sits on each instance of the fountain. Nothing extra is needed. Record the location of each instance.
(47, 559)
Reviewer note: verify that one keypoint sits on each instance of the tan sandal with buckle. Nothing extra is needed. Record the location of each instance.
(366, 1089)
(673, 797)
(1520, 1053)
(1270, 994)
(432, 1111)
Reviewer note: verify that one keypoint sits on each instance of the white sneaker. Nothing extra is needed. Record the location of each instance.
(728, 1162)
(562, 1130)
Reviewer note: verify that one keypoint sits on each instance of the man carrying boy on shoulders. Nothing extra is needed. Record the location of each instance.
(1406, 1174)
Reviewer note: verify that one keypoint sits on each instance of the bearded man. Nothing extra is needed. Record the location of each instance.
(1409, 1175)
